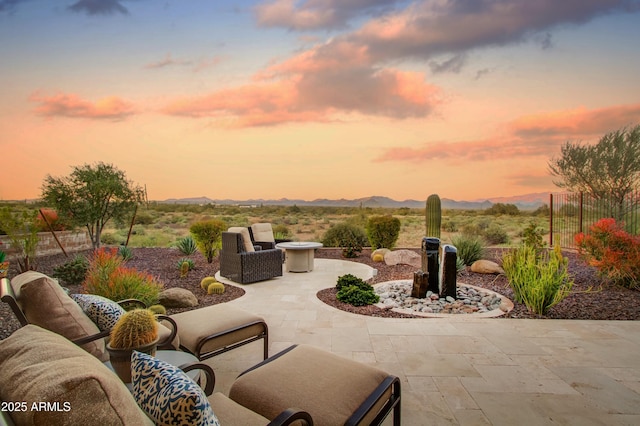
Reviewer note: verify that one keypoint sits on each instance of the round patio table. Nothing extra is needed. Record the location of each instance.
(299, 255)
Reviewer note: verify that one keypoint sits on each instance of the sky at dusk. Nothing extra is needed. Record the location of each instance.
(311, 99)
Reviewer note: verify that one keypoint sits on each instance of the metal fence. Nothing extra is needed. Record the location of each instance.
(572, 213)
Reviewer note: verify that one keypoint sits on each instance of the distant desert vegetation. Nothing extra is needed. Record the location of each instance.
(162, 225)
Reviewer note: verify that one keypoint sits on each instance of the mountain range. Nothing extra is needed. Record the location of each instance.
(523, 202)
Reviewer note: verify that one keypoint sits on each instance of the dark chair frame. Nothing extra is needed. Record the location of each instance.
(246, 267)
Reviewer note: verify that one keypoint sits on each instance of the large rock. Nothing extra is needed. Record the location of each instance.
(486, 267)
(403, 257)
(379, 253)
(177, 298)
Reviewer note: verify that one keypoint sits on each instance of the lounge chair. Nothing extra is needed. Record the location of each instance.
(205, 332)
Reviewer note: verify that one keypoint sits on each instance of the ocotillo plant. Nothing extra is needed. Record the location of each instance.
(433, 216)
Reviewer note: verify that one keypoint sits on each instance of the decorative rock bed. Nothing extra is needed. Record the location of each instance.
(470, 300)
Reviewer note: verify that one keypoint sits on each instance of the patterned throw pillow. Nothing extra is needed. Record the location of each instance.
(167, 394)
(102, 311)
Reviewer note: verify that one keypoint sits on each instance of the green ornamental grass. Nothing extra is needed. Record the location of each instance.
(539, 279)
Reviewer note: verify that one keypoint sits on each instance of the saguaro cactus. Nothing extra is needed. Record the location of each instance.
(433, 216)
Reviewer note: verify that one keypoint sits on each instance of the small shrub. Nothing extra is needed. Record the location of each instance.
(144, 218)
(614, 252)
(72, 272)
(383, 231)
(357, 296)
(350, 238)
(495, 234)
(532, 236)
(351, 280)
(107, 277)
(539, 279)
(281, 232)
(450, 226)
(208, 237)
(460, 264)
(471, 230)
(187, 245)
(125, 252)
(469, 248)
(108, 239)
(186, 261)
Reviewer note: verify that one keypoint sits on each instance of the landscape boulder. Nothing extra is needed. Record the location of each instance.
(486, 267)
(377, 253)
(403, 257)
(178, 298)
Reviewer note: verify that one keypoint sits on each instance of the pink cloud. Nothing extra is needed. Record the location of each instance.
(71, 105)
(531, 136)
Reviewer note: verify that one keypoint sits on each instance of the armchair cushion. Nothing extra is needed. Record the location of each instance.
(230, 412)
(38, 366)
(263, 232)
(102, 311)
(246, 238)
(167, 394)
(47, 305)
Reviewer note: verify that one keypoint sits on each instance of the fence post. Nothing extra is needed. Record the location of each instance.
(581, 209)
(550, 220)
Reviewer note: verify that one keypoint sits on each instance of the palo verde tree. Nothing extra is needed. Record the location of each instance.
(608, 170)
(92, 195)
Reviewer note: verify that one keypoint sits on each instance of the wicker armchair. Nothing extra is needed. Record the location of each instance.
(241, 263)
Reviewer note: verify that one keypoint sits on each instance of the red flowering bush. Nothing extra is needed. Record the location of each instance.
(613, 251)
(108, 277)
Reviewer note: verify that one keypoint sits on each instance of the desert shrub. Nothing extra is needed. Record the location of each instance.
(49, 216)
(108, 238)
(357, 296)
(281, 232)
(187, 245)
(532, 236)
(125, 253)
(355, 291)
(471, 230)
(108, 277)
(500, 209)
(383, 231)
(72, 272)
(22, 231)
(349, 237)
(144, 218)
(450, 226)
(351, 280)
(614, 252)
(539, 279)
(495, 234)
(208, 237)
(469, 248)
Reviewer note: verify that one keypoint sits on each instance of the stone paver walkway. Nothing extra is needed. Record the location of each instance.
(458, 370)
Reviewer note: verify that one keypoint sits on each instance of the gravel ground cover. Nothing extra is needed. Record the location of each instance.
(591, 298)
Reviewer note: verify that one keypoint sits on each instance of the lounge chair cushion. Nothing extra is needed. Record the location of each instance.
(167, 394)
(198, 324)
(102, 311)
(47, 305)
(246, 237)
(39, 366)
(310, 379)
(19, 280)
(263, 232)
(232, 413)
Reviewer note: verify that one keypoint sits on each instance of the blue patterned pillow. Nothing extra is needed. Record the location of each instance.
(167, 394)
(102, 311)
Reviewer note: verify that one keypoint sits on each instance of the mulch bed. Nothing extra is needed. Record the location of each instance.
(591, 298)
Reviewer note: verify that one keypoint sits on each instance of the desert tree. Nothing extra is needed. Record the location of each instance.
(608, 170)
(92, 195)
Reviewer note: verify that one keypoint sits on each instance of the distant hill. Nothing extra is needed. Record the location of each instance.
(524, 202)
